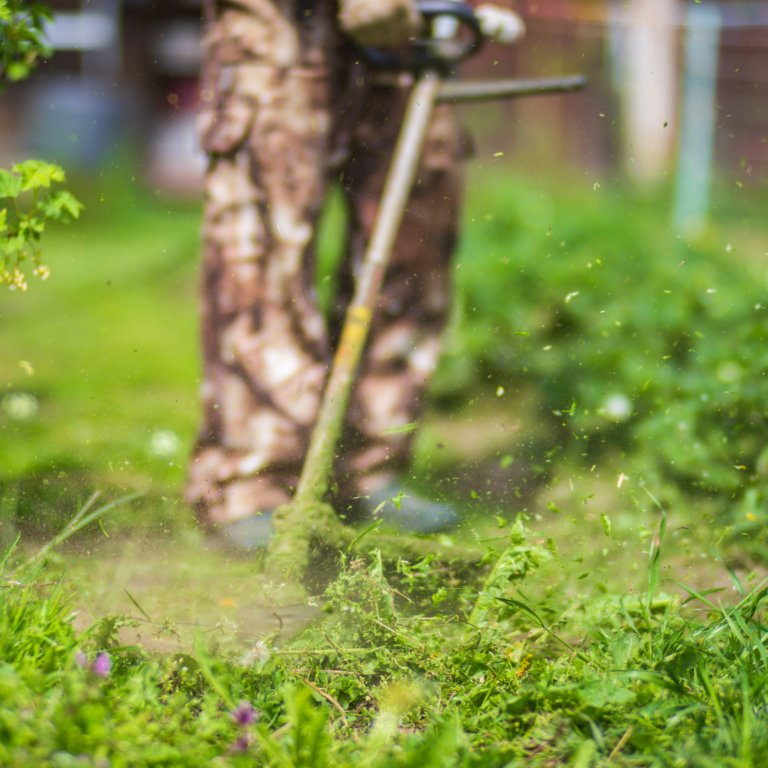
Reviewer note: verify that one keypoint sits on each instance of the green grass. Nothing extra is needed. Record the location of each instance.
(596, 659)
(394, 676)
(628, 334)
(111, 346)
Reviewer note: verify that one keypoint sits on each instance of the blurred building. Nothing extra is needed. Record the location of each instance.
(128, 70)
(637, 54)
(122, 71)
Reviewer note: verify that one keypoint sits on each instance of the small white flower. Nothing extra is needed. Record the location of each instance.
(20, 406)
(163, 443)
(259, 654)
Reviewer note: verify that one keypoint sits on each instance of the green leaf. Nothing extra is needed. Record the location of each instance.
(528, 611)
(694, 595)
(602, 693)
(654, 678)
(309, 746)
(403, 429)
(583, 757)
(552, 547)
(10, 245)
(35, 226)
(5, 14)
(10, 185)
(133, 599)
(18, 70)
(62, 204)
(38, 173)
(3, 215)
(606, 521)
(624, 647)
(516, 562)
(204, 660)
(25, 229)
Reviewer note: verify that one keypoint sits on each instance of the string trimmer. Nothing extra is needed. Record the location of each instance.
(308, 522)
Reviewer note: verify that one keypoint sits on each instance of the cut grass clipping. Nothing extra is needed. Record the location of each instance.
(493, 678)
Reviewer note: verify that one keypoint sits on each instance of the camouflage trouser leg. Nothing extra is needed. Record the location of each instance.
(264, 341)
(265, 349)
(415, 296)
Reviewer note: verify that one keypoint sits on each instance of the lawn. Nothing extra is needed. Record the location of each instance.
(599, 369)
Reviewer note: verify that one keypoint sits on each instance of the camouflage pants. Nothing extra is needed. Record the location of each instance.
(291, 109)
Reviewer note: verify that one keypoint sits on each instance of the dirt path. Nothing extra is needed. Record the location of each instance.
(174, 589)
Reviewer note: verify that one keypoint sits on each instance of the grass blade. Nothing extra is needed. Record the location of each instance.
(731, 573)
(699, 595)
(654, 559)
(205, 666)
(77, 523)
(364, 533)
(141, 610)
(523, 608)
(10, 551)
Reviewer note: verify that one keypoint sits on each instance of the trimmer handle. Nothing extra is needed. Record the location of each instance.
(431, 52)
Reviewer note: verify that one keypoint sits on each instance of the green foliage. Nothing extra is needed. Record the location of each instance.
(597, 682)
(125, 300)
(22, 38)
(588, 298)
(520, 559)
(307, 741)
(363, 603)
(27, 625)
(20, 230)
(22, 42)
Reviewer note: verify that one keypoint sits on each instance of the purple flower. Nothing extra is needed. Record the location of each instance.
(242, 743)
(102, 665)
(245, 714)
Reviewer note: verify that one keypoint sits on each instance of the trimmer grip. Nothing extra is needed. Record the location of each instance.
(441, 54)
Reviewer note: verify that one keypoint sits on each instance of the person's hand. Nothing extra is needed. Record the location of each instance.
(379, 23)
(499, 24)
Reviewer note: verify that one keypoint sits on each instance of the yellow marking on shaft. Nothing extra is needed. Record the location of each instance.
(359, 315)
(355, 331)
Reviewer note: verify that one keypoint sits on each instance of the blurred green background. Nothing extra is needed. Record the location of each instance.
(586, 335)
